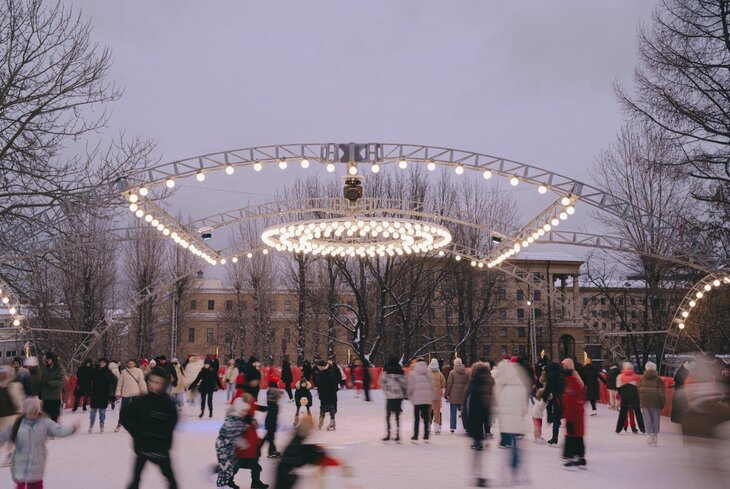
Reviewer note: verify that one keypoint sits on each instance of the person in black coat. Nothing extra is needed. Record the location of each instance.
(552, 394)
(589, 373)
(287, 377)
(307, 371)
(297, 454)
(207, 382)
(679, 402)
(83, 385)
(169, 369)
(102, 382)
(327, 391)
(253, 377)
(476, 410)
(151, 420)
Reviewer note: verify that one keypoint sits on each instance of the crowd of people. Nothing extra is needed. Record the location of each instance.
(151, 395)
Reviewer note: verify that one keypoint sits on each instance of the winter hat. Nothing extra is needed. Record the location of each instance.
(627, 366)
(152, 364)
(31, 362)
(174, 360)
(51, 356)
(31, 407)
(274, 380)
(434, 365)
(458, 362)
(650, 366)
(513, 360)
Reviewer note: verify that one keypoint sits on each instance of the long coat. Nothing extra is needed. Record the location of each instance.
(207, 381)
(478, 397)
(589, 374)
(83, 380)
(29, 457)
(456, 384)
(511, 391)
(573, 403)
(52, 379)
(103, 383)
(327, 386)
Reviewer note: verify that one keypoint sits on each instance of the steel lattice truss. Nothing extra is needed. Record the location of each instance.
(369, 155)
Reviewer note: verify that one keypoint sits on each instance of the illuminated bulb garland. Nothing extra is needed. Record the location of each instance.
(699, 295)
(538, 232)
(357, 237)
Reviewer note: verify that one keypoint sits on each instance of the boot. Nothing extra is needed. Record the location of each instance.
(397, 437)
(321, 421)
(387, 437)
(211, 414)
(118, 428)
(259, 485)
(101, 427)
(232, 484)
(331, 426)
(296, 420)
(201, 414)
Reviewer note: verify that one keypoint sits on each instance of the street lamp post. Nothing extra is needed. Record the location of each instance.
(532, 328)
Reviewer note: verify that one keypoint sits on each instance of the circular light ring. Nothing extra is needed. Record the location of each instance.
(357, 236)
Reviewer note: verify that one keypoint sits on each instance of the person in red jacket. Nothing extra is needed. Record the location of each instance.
(574, 398)
(249, 450)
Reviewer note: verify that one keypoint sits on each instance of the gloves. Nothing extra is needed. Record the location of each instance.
(571, 429)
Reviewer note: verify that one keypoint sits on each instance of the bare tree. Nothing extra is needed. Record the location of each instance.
(682, 86)
(144, 266)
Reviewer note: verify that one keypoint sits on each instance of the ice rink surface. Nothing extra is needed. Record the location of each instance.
(86, 461)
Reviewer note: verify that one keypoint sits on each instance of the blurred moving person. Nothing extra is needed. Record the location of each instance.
(11, 403)
(511, 393)
(456, 384)
(102, 383)
(477, 411)
(394, 386)
(29, 434)
(439, 384)
(131, 384)
(151, 420)
(629, 394)
(420, 393)
(287, 377)
(553, 395)
(53, 377)
(229, 438)
(573, 405)
(652, 399)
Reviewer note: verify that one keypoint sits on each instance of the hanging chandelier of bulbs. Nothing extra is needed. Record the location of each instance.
(357, 237)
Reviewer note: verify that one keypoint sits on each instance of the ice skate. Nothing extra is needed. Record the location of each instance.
(321, 422)
(275, 455)
(331, 426)
(397, 438)
(259, 485)
(594, 413)
(232, 484)
(387, 437)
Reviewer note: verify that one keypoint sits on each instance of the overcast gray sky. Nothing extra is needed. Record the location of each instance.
(526, 80)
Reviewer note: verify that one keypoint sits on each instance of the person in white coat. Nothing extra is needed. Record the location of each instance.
(511, 393)
(29, 434)
(420, 393)
(131, 384)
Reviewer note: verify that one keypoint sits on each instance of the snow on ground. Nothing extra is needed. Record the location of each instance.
(86, 461)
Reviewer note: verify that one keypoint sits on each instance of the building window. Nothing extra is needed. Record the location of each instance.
(537, 275)
(287, 333)
(191, 335)
(209, 336)
(538, 313)
(193, 305)
(520, 315)
(449, 312)
(272, 306)
(211, 305)
(486, 352)
(538, 295)
(520, 295)
(229, 305)
(503, 350)
(585, 301)
(603, 301)
(603, 314)
(521, 332)
(502, 313)
(501, 294)
(503, 332)
(287, 305)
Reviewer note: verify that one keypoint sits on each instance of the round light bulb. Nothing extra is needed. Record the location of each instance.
(170, 183)
(699, 295)
(139, 213)
(148, 218)
(234, 259)
(229, 169)
(143, 191)
(681, 325)
(563, 215)
(487, 174)
(685, 314)
(133, 198)
(282, 164)
(330, 167)
(565, 201)
(716, 283)
(514, 181)
(265, 251)
(402, 164)
(257, 166)
(457, 258)
(133, 207)
(16, 322)
(431, 166)
(12, 310)
(305, 163)
(546, 228)
(249, 255)
(570, 210)
(555, 222)
(459, 170)
(200, 176)
(375, 168)
(542, 189)
(692, 303)
(352, 170)
(708, 287)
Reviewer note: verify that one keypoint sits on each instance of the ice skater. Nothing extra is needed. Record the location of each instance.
(395, 388)
(229, 438)
(652, 399)
(574, 399)
(303, 398)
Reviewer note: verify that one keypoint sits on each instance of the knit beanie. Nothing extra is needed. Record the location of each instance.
(458, 361)
(434, 365)
(627, 366)
(650, 366)
(31, 407)
(31, 362)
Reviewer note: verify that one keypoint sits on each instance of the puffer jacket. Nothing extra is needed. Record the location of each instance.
(394, 386)
(420, 385)
(456, 384)
(511, 392)
(651, 391)
(131, 383)
(29, 458)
